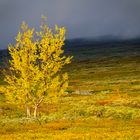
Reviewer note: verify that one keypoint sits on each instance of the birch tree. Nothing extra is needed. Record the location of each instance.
(36, 64)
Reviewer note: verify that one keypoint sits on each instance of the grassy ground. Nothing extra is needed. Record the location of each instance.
(110, 109)
(102, 116)
(78, 129)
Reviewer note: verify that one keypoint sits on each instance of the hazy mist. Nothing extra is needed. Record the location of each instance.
(82, 18)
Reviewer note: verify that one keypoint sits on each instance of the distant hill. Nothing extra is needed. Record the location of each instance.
(90, 49)
(95, 48)
(107, 39)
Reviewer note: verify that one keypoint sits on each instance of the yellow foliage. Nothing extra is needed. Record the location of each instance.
(37, 59)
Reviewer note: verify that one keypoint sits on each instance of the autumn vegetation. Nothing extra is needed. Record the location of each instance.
(35, 67)
(94, 97)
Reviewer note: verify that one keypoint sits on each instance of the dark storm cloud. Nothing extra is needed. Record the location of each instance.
(82, 18)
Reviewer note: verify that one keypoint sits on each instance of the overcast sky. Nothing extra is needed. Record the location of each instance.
(82, 18)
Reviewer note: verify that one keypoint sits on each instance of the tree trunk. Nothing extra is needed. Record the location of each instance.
(28, 113)
(35, 111)
(37, 105)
